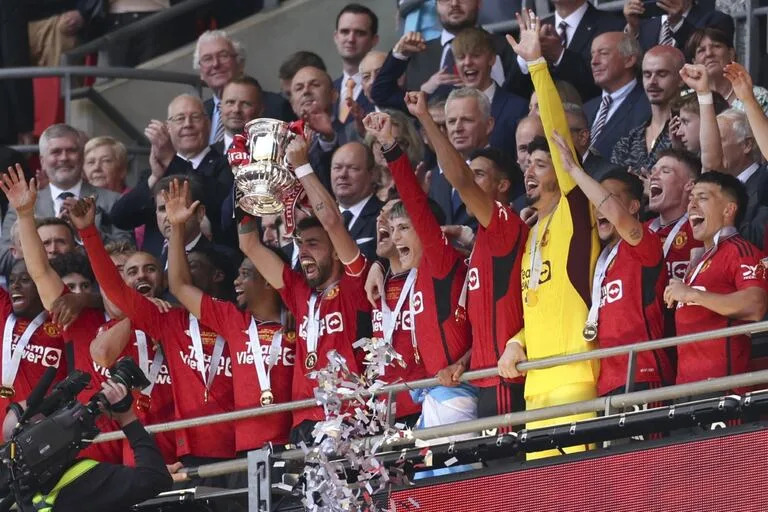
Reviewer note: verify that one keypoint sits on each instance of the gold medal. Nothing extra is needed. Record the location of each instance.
(311, 360)
(267, 398)
(7, 391)
(590, 332)
(143, 402)
(531, 297)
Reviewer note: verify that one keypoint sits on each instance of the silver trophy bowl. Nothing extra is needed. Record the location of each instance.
(263, 180)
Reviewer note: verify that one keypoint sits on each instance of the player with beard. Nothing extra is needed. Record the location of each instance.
(439, 319)
(327, 297)
(392, 319)
(725, 284)
(629, 281)
(263, 353)
(492, 288)
(559, 259)
(671, 181)
(197, 359)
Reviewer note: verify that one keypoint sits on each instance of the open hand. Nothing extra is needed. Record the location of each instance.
(566, 155)
(740, 80)
(21, 195)
(529, 47)
(443, 76)
(178, 209)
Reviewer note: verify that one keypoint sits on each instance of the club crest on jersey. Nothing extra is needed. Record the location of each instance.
(332, 293)
(680, 240)
(209, 338)
(51, 330)
(545, 238)
(502, 211)
(473, 279)
(289, 337)
(705, 266)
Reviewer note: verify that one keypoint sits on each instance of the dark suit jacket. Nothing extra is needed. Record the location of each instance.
(203, 244)
(703, 14)
(208, 107)
(507, 109)
(361, 100)
(16, 103)
(137, 207)
(363, 231)
(633, 111)
(756, 217)
(574, 67)
(8, 158)
(440, 190)
(277, 107)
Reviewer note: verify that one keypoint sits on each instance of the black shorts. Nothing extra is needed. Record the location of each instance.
(502, 398)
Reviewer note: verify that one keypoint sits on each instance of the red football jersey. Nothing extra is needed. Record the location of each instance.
(44, 350)
(344, 316)
(402, 343)
(679, 254)
(442, 330)
(172, 330)
(494, 298)
(734, 265)
(232, 323)
(631, 311)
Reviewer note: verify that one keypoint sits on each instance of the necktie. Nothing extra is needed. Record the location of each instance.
(602, 117)
(349, 91)
(449, 62)
(455, 201)
(218, 134)
(61, 197)
(347, 216)
(561, 31)
(666, 38)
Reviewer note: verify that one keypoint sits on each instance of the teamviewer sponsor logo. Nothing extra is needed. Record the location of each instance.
(611, 292)
(51, 357)
(473, 279)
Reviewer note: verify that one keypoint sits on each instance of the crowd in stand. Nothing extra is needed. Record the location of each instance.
(475, 200)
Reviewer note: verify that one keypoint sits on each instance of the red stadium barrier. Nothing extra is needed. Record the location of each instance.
(727, 472)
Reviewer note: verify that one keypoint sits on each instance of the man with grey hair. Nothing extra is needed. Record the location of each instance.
(622, 105)
(469, 126)
(741, 158)
(61, 158)
(595, 165)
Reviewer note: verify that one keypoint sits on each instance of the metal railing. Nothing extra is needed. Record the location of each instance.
(628, 350)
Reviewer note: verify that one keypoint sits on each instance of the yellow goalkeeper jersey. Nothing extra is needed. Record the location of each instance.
(569, 249)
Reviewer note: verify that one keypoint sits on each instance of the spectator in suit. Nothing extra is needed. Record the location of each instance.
(369, 68)
(61, 158)
(566, 40)
(357, 32)
(219, 58)
(640, 148)
(294, 63)
(352, 182)
(241, 102)
(431, 66)
(179, 146)
(474, 53)
(714, 49)
(16, 102)
(469, 126)
(623, 104)
(312, 99)
(593, 163)
(106, 163)
(672, 23)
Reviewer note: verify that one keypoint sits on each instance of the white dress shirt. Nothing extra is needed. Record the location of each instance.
(572, 23)
(490, 91)
(356, 210)
(197, 159)
(748, 172)
(56, 191)
(618, 96)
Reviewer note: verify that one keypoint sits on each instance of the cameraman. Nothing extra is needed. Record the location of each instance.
(92, 485)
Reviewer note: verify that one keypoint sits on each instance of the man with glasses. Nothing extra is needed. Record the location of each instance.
(179, 146)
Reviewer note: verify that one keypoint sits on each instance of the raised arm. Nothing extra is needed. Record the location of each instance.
(550, 107)
(325, 208)
(742, 87)
(179, 210)
(22, 196)
(107, 346)
(455, 169)
(627, 225)
(266, 262)
(695, 76)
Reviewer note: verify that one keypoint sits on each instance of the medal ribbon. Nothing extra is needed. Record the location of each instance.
(389, 317)
(313, 324)
(413, 318)
(264, 374)
(150, 370)
(656, 225)
(724, 234)
(607, 255)
(12, 358)
(534, 253)
(197, 346)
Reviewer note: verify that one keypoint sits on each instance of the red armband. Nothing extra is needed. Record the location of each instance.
(355, 267)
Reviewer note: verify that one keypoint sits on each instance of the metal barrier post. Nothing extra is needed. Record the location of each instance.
(259, 480)
(67, 90)
(631, 365)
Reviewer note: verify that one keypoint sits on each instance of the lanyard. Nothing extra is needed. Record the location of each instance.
(150, 370)
(415, 346)
(389, 317)
(197, 346)
(313, 319)
(607, 255)
(534, 252)
(263, 373)
(656, 225)
(12, 358)
(465, 286)
(724, 234)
